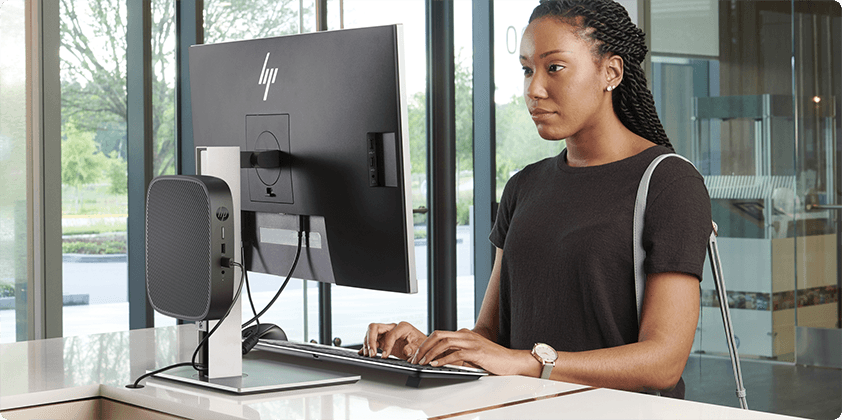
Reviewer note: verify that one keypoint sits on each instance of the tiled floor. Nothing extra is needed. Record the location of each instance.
(775, 387)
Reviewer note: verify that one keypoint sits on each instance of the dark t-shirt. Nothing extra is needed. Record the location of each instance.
(567, 275)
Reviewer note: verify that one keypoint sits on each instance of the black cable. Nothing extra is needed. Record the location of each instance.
(192, 362)
(284, 285)
(251, 302)
(201, 368)
(136, 384)
(251, 340)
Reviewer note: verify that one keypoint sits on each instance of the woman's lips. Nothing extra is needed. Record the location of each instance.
(539, 114)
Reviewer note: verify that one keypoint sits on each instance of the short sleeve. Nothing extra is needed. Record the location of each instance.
(677, 223)
(504, 213)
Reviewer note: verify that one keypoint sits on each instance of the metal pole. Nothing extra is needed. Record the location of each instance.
(441, 166)
(716, 266)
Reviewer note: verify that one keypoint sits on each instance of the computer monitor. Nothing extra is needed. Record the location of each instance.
(320, 119)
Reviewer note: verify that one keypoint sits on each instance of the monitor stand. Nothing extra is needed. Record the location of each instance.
(260, 375)
(228, 370)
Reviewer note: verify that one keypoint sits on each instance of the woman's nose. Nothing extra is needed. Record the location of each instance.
(533, 87)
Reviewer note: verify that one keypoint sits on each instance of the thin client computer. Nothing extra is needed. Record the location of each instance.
(312, 129)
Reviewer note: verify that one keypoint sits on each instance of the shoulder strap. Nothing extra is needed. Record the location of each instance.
(639, 211)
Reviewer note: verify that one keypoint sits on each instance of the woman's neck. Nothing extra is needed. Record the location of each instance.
(609, 144)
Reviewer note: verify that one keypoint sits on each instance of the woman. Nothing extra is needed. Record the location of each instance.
(564, 270)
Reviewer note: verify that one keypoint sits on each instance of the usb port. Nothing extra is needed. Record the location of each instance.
(223, 249)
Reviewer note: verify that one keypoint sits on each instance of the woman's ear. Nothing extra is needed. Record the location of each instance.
(613, 67)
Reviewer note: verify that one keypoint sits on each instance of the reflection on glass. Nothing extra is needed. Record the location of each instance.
(163, 88)
(463, 81)
(817, 232)
(518, 142)
(239, 20)
(739, 117)
(249, 19)
(93, 166)
(13, 214)
(353, 309)
(164, 152)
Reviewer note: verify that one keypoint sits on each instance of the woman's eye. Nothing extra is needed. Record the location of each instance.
(554, 68)
(526, 71)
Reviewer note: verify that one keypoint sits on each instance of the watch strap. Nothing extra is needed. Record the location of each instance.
(547, 369)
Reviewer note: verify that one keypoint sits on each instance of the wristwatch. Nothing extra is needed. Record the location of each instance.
(547, 356)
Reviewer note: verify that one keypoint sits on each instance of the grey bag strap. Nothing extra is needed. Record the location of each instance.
(716, 265)
(639, 212)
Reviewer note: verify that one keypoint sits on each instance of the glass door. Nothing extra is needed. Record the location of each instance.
(13, 197)
(818, 220)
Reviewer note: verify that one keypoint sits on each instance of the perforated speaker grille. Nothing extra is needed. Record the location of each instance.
(178, 248)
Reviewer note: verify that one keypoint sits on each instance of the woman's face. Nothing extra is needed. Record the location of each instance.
(563, 85)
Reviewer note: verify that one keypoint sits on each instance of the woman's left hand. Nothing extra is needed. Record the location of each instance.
(467, 347)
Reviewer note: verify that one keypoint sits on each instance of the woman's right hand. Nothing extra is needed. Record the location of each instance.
(400, 340)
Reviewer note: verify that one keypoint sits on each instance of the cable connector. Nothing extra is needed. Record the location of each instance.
(251, 341)
(226, 262)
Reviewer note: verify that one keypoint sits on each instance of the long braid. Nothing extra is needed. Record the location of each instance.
(608, 23)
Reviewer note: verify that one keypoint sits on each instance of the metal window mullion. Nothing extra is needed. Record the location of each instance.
(188, 31)
(44, 274)
(325, 300)
(139, 133)
(484, 146)
(441, 166)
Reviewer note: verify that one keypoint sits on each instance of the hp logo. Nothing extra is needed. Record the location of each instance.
(222, 214)
(267, 76)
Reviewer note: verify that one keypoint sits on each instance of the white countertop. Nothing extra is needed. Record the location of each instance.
(73, 368)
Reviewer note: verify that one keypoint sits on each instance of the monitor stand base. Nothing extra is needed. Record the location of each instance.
(262, 376)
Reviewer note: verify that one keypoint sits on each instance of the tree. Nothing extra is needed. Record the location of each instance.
(93, 51)
(116, 171)
(518, 142)
(81, 162)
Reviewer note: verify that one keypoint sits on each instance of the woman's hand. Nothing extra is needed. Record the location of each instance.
(400, 340)
(467, 347)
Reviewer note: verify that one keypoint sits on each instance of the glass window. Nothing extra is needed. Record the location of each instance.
(248, 19)
(93, 173)
(164, 153)
(518, 142)
(757, 110)
(238, 20)
(13, 214)
(463, 81)
(353, 309)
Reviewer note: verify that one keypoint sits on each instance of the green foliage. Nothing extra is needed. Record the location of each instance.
(117, 173)
(247, 19)
(93, 52)
(95, 228)
(463, 208)
(417, 116)
(463, 86)
(7, 290)
(518, 142)
(95, 244)
(93, 248)
(94, 89)
(81, 161)
(93, 199)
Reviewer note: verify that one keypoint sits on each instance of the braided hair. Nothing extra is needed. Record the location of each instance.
(608, 25)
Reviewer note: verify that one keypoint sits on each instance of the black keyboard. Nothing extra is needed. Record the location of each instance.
(350, 356)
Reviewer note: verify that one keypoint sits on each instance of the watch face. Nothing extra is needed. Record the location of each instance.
(546, 352)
